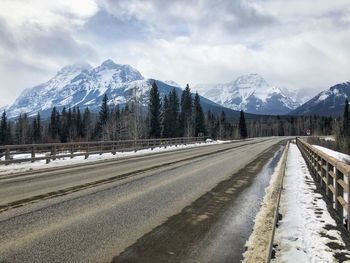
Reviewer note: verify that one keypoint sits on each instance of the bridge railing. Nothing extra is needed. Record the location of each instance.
(52, 151)
(332, 175)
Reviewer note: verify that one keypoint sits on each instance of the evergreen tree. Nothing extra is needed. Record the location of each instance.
(170, 115)
(34, 137)
(199, 121)
(8, 136)
(166, 118)
(36, 129)
(64, 127)
(3, 129)
(19, 129)
(86, 124)
(70, 125)
(22, 129)
(345, 138)
(280, 126)
(211, 125)
(104, 111)
(222, 125)
(346, 120)
(186, 113)
(154, 112)
(174, 110)
(79, 124)
(102, 118)
(242, 126)
(54, 124)
(118, 119)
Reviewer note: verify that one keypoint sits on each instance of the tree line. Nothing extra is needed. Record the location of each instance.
(165, 118)
(343, 131)
(168, 117)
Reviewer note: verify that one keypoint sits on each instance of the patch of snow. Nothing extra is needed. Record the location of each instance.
(340, 156)
(323, 97)
(172, 83)
(117, 100)
(90, 102)
(301, 235)
(329, 138)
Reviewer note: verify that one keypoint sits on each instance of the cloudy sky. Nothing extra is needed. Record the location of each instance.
(298, 44)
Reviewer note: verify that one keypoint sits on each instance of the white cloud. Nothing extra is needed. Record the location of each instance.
(47, 13)
(36, 37)
(296, 44)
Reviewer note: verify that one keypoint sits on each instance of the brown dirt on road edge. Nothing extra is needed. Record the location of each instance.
(174, 240)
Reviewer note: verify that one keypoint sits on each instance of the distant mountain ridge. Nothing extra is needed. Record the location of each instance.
(252, 94)
(84, 86)
(327, 103)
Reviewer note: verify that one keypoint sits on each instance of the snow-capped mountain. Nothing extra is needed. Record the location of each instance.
(327, 103)
(79, 85)
(84, 86)
(252, 94)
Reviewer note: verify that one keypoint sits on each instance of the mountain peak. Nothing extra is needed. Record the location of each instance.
(109, 63)
(253, 94)
(74, 68)
(250, 80)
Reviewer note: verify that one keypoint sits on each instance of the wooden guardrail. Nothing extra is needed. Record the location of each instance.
(52, 151)
(333, 177)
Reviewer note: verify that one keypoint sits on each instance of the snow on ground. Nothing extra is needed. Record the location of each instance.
(338, 155)
(302, 235)
(329, 138)
(28, 166)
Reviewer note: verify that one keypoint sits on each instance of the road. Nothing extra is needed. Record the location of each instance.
(97, 212)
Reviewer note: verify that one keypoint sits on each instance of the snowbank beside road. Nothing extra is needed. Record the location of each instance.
(338, 155)
(307, 232)
(59, 162)
(259, 242)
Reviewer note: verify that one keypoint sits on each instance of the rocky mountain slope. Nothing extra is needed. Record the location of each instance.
(327, 103)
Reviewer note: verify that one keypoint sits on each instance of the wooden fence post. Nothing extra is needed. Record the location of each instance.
(33, 153)
(7, 154)
(114, 151)
(53, 152)
(328, 192)
(72, 151)
(323, 175)
(338, 192)
(87, 151)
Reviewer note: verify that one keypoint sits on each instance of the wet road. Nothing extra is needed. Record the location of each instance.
(95, 213)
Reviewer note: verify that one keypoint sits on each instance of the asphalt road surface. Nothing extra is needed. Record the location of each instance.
(125, 210)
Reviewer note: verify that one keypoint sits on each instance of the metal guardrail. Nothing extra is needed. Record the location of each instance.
(52, 151)
(333, 177)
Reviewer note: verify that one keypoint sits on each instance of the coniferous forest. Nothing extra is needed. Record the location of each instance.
(169, 117)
